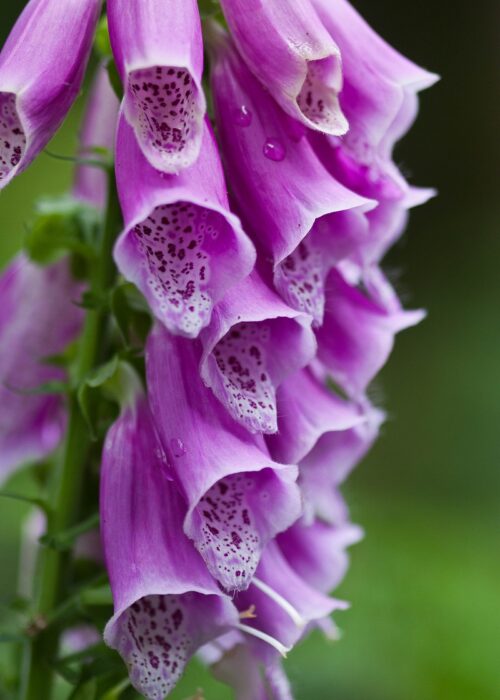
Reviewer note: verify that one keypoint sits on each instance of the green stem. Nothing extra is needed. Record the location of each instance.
(69, 473)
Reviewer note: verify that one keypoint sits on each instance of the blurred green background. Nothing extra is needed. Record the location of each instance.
(425, 583)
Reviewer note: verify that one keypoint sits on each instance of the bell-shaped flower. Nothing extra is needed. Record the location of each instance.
(158, 49)
(288, 49)
(98, 132)
(38, 318)
(252, 344)
(42, 65)
(308, 411)
(380, 85)
(238, 497)
(166, 604)
(358, 332)
(281, 605)
(303, 218)
(317, 552)
(181, 245)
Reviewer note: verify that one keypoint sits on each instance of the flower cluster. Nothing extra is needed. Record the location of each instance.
(255, 236)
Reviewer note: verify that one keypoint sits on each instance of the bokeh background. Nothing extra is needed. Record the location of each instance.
(425, 583)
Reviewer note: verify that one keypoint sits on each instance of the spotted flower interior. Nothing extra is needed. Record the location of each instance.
(12, 136)
(318, 100)
(167, 112)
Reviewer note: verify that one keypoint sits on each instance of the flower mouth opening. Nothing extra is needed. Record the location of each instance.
(12, 135)
(225, 528)
(166, 108)
(176, 243)
(152, 638)
(318, 98)
(241, 359)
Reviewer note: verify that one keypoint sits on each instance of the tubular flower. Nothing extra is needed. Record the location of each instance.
(166, 605)
(301, 215)
(252, 344)
(41, 71)
(358, 332)
(238, 497)
(380, 85)
(158, 49)
(181, 245)
(98, 132)
(38, 319)
(291, 53)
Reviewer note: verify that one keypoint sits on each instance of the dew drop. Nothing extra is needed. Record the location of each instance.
(178, 448)
(243, 116)
(274, 150)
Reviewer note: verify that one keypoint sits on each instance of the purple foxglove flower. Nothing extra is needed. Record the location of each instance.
(181, 245)
(238, 497)
(380, 85)
(166, 603)
(308, 412)
(317, 551)
(329, 463)
(38, 318)
(358, 332)
(98, 131)
(252, 344)
(289, 50)
(302, 217)
(42, 65)
(158, 49)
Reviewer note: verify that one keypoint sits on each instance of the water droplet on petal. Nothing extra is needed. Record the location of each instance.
(178, 448)
(243, 116)
(274, 150)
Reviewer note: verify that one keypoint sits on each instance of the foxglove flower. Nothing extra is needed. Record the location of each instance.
(38, 319)
(380, 85)
(317, 551)
(358, 332)
(308, 411)
(288, 49)
(158, 49)
(42, 65)
(301, 216)
(98, 132)
(181, 245)
(252, 344)
(166, 604)
(283, 605)
(238, 497)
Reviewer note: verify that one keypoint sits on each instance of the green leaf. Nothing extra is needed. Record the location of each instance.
(208, 8)
(115, 80)
(116, 692)
(61, 225)
(63, 541)
(89, 394)
(102, 43)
